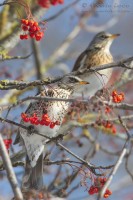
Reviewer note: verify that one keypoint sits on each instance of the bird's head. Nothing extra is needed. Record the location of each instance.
(72, 82)
(103, 40)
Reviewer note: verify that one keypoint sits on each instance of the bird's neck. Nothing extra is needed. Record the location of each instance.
(62, 92)
(106, 48)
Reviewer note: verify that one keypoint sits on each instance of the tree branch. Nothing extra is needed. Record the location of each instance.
(20, 85)
(117, 165)
(10, 172)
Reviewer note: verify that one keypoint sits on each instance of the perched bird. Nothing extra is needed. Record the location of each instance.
(97, 53)
(49, 125)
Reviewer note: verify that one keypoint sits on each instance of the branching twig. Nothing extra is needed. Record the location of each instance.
(87, 164)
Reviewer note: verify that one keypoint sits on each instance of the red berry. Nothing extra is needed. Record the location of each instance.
(21, 37)
(109, 192)
(24, 21)
(104, 180)
(32, 29)
(52, 125)
(42, 122)
(55, 2)
(24, 28)
(36, 122)
(30, 23)
(44, 116)
(96, 190)
(57, 123)
(44, 4)
(38, 38)
(35, 24)
(39, 35)
(32, 35)
(26, 119)
(38, 28)
(91, 190)
(47, 122)
(7, 143)
(26, 37)
(107, 109)
(113, 130)
(114, 93)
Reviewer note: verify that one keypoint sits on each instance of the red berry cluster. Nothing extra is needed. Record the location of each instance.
(44, 121)
(117, 98)
(109, 125)
(32, 30)
(7, 143)
(48, 3)
(98, 184)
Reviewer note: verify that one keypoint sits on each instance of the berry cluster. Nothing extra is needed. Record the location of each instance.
(98, 184)
(109, 125)
(31, 29)
(7, 143)
(44, 121)
(117, 98)
(48, 3)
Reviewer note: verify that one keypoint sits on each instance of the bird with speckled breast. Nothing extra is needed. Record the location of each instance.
(34, 143)
(97, 54)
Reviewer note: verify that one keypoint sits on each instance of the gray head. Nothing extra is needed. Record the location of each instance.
(71, 82)
(103, 40)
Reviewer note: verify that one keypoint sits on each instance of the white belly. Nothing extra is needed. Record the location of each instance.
(96, 81)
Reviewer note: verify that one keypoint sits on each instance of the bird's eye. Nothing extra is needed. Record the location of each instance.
(104, 36)
(72, 80)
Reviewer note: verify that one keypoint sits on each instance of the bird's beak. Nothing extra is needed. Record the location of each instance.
(83, 83)
(113, 36)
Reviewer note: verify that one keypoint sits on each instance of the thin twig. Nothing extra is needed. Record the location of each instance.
(90, 166)
(125, 127)
(16, 57)
(10, 172)
(117, 165)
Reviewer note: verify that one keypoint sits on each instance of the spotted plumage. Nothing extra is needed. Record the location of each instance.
(34, 143)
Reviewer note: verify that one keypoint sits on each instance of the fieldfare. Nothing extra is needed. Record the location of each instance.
(47, 120)
(96, 54)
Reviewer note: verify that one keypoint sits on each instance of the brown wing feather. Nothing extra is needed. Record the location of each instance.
(77, 63)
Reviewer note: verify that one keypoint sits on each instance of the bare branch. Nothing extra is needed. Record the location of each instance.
(16, 57)
(19, 85)
(117, 165)
(87, 164)
(9, 169)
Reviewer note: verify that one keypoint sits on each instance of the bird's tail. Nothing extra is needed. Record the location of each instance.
(33, 176)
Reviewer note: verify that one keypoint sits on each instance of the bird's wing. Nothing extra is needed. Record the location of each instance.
(80, 60)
